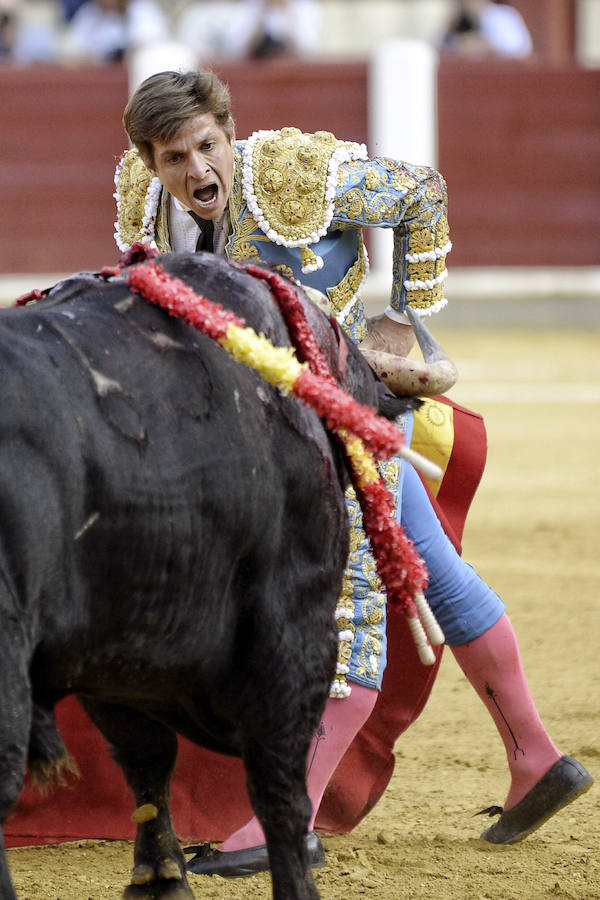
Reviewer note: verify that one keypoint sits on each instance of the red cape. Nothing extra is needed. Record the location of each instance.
(209, 798)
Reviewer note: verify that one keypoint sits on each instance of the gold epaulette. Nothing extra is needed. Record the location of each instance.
(137, 194)
(289, 181)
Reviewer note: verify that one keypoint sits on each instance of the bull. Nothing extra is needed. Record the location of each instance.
(173, 541)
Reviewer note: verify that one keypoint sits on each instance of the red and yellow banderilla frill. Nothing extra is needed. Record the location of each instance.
(363, 434)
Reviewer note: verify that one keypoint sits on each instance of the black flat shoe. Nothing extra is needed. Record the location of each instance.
(563, 783)
(241, 863)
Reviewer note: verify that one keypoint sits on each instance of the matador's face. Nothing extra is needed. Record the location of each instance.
(196, 166)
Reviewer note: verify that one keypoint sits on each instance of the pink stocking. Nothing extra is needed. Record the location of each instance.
(342, 719)
(493, 666)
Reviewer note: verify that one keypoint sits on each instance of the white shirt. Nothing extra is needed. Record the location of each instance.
(185, 232)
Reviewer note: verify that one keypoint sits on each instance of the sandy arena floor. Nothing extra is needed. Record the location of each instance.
(533, 534)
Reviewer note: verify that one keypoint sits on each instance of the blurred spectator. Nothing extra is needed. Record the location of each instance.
(70, 7)
(25, 36)
(106, 30)
(250, 29)
(9, 26)
(482, 28)
(274, 27)
(207, 27)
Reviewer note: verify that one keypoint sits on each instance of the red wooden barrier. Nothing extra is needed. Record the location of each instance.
(519, 148)
(60, 129)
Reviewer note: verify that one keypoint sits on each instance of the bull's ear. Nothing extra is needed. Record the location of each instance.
(390, 406)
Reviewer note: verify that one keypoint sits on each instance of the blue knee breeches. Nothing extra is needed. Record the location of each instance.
(462, 602)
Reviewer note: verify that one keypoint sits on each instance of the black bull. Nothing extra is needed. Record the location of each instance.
(173, 541)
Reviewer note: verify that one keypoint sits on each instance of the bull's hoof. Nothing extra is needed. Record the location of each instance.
(242, 863)
(164, 881)
(166, 868)
(159, 889)
(563, 783)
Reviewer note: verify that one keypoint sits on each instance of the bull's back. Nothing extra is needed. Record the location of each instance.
(178, 478)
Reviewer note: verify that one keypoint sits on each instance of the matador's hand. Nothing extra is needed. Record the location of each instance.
(389, 337)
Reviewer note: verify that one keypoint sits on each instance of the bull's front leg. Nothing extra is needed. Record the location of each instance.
(146, 750)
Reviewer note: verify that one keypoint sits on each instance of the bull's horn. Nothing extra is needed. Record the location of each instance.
(435, 374)
(444, 372)
(431, 350)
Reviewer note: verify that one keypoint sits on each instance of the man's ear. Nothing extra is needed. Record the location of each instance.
(231, 130)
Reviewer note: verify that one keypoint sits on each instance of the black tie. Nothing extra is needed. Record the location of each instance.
(205, 238)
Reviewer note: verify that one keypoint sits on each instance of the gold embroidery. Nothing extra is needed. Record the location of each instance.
(354, 325)
(285, 270)
(243, 250)
(426, 297)
(341, 294)
(423, 238)
(134, 181)
(242, 227)
(354, 203)
(367, 640)
(372, 179)
(326, 137)
(279, 166)
(424, 270)
(287, 190)
(368, 207)
(403, 182)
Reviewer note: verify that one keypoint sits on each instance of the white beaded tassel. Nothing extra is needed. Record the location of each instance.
(430, 623)
(424, 649)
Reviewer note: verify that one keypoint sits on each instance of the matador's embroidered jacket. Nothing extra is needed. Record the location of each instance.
(300, 202)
